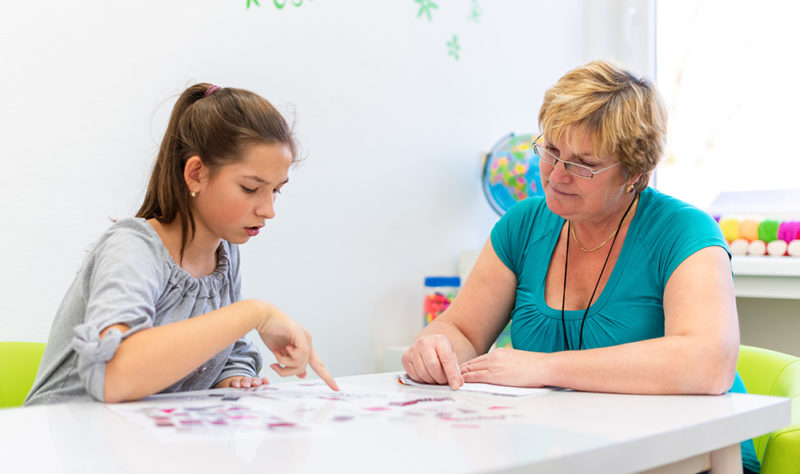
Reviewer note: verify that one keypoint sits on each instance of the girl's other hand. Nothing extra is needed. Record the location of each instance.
(291, 344)
(241, 381)
(431, 359)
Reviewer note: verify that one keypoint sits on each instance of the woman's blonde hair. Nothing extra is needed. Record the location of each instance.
(622, 114)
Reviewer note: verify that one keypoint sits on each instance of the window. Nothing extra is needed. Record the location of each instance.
(730, 76)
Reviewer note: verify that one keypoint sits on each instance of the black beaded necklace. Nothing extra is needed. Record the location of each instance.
(564, 291)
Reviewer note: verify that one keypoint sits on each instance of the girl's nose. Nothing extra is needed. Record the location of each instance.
(267, 208)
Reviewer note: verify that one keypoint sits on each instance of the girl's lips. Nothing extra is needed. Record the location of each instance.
(251, 231)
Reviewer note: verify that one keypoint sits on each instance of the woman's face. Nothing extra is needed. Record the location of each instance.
(235, 202)
(579, 199)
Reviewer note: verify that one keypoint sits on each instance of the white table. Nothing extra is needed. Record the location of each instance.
(563, 432)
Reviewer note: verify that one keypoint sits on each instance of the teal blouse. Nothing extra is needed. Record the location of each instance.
(663, 233)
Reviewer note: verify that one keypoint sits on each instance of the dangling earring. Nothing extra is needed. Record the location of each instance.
(193, 194)
(627, 190)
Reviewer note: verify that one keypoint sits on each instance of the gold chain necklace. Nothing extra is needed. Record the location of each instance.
(625, 219)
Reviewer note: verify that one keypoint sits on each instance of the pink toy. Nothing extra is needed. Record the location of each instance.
(789, 230)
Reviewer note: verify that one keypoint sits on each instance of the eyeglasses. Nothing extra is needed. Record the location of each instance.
(577, 169)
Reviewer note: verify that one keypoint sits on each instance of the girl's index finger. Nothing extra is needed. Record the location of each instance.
(319, 368)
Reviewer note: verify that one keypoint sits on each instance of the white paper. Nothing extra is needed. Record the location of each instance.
(479, 387)
(306, 409)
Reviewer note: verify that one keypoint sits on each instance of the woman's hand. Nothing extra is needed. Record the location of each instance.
(291, 344)
(431, 359)
(503, 366)
(241, 381)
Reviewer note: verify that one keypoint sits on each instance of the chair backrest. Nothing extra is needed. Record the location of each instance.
(19, 362)
(767, 372)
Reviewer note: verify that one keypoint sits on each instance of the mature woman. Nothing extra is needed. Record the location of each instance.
(610, 286)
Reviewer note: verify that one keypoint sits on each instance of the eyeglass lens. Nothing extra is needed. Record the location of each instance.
(573, 168)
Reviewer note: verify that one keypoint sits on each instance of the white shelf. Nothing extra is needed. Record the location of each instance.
(766, 277)
(754, 277)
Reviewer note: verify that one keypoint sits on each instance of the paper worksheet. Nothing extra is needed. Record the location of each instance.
(479, 387)
(309, 409)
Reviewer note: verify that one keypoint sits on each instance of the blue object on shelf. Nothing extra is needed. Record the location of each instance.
(442, 281)
(511, 172)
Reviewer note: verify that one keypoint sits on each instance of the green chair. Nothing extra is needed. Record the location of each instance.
(769, 372)
(19, 362)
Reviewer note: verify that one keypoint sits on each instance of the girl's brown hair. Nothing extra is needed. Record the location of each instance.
(215, 124)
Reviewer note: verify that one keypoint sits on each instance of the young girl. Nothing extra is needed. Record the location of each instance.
(156, 306)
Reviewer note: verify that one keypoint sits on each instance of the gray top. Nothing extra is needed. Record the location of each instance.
(129, 277)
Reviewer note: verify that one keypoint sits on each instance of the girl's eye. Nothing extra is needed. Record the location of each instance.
(248, 190)
(555, 151)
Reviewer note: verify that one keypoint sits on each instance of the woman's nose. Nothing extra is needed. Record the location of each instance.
(558, 172)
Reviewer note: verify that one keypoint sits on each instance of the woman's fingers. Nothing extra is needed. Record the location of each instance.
(416, 367)
(433, 365)
(449, 365)
(424, 374)
(478, 376)
(433, 360)
(473, 364)
(477, 370)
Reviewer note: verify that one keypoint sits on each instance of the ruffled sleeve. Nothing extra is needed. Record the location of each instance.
(93, 354)
(121, 283)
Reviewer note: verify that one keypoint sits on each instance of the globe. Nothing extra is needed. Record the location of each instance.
(511, 172)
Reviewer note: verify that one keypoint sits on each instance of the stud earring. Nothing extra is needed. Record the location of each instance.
(193, 194)
(627, 190)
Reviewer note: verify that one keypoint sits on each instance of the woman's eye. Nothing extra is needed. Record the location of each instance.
(248, 190)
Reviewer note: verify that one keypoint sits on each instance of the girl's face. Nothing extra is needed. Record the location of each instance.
(234, 203)
(576, 198)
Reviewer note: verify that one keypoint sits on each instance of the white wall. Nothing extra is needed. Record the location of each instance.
(391, 125)
(773, 323)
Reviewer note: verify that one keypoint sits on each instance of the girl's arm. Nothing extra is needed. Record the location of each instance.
(152, 359)
(696, 355)
(468, 327)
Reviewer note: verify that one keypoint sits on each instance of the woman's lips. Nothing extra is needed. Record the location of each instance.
(558, 191)
(252, 231)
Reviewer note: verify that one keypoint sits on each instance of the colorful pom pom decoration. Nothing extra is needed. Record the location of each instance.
(757, 248)
(738, 247)
(758, 237)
